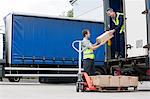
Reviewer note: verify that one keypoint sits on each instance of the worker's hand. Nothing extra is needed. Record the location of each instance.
(102, 43)
(97, 42)
(112, 31)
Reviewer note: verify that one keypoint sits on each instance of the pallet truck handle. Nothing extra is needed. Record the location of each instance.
(79, 50)
(73, 45)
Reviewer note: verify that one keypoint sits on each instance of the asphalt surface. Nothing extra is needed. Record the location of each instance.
(31, 89)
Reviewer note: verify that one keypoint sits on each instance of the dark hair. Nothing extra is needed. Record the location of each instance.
(84, 32)
(110, 9)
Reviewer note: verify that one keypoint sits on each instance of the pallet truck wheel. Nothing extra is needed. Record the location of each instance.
(125, 88)
(77, 87)
(135, 88)
(82, 88)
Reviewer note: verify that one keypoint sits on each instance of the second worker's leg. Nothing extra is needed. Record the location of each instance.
(92, 69)
(122, 46)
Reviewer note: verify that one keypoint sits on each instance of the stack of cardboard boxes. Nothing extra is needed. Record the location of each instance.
(114, 81)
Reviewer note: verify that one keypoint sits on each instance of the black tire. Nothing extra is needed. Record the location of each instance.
(99, 71)
(14, 79)
(1, 79)
(77, 87)
(135, 88)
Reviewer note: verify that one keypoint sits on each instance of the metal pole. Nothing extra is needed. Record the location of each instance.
(79, 50)
(80, 57)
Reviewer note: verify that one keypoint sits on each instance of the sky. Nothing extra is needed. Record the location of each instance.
(46, 7)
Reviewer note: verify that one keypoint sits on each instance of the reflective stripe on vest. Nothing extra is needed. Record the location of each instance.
(88, 54)
(117, 22)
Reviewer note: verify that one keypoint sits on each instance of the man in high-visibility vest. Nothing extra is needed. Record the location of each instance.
(117, 26)
(88, 53)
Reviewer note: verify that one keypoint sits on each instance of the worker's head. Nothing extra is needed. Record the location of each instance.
(110, 12)
(86, 33)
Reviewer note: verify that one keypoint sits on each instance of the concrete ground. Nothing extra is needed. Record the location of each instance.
(31, 89)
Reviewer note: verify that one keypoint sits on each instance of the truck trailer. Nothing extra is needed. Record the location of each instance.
(41, 46)
(137, 38)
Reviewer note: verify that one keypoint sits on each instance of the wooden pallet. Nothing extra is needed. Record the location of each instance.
(114, 83)
(115, 89)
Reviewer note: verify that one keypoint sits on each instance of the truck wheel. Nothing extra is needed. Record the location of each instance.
(99, 72)
(14, 79)
(1, 79)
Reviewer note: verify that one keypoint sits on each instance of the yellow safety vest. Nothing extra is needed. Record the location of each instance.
(117, 21)
(88, 54)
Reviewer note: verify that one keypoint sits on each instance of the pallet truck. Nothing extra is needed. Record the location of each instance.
(84, 82)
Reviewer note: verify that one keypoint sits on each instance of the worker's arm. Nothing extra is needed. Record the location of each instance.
(96, 46)
(121, 22)
(91, 46)
(97, 43)
(112, 26)
(112, 31)
(118, 27)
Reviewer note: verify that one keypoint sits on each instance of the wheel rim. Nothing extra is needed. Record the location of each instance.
(98, 72)
(16, 78)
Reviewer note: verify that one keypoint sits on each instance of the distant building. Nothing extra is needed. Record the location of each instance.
(88, 9)
(1, 45)
(2, 32)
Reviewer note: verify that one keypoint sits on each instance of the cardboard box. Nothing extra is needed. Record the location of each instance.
(114, 81)
(124, 81)
(104, 80)
(101, 80)
(104, 37)
(95, 80)
(133, 81)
